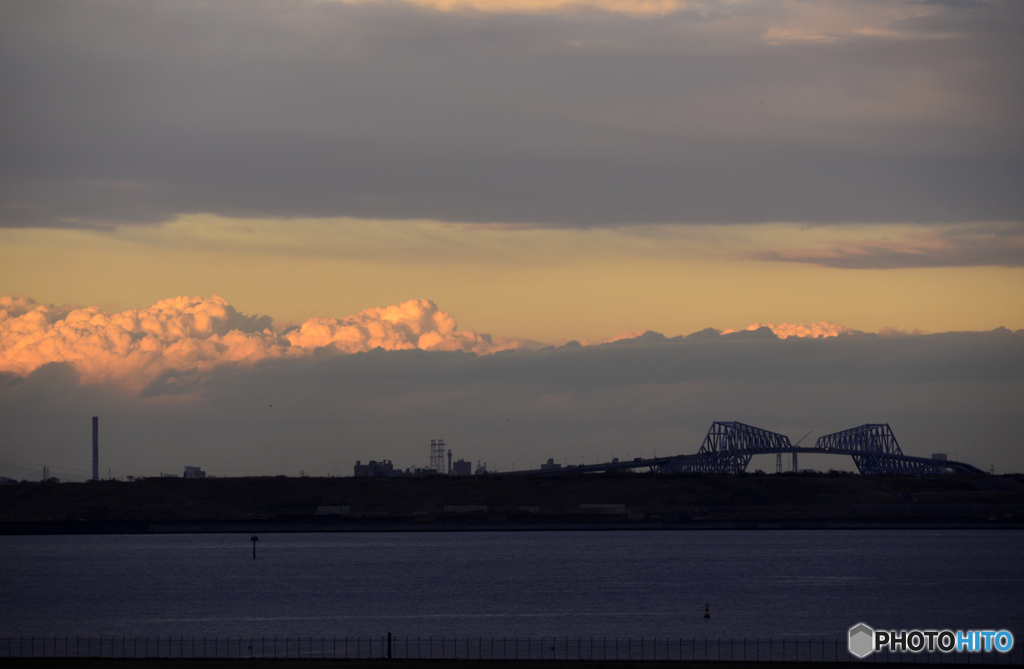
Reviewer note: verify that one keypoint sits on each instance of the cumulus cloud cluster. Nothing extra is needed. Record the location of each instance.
(195, 334)
(183, 334)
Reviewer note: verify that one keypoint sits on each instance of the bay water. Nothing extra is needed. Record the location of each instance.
(766, 584)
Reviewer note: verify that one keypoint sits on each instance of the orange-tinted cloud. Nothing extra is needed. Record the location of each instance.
(195, 334)
(781, 330)
(814, 330)
(619, 337)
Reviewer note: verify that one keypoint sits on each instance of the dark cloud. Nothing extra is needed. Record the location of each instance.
(999, 245)
(119, 112)
(954, 392)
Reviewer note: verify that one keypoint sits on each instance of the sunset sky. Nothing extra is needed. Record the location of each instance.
(281, 187)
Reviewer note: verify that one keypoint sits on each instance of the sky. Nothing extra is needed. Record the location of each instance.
(402, 216)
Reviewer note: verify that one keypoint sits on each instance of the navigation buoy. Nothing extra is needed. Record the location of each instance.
(707, 610)
(254, 539)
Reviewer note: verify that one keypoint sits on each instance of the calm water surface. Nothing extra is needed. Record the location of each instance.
(653, 584)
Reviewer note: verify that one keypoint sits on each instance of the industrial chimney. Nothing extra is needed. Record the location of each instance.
(95, 448)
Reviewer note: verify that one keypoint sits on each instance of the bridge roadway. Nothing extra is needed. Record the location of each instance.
(729, 446)
(657, 464)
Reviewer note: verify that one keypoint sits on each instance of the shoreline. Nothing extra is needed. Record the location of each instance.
(270, 526)
(590, 502)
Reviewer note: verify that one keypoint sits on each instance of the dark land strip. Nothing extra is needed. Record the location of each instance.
(614, 501)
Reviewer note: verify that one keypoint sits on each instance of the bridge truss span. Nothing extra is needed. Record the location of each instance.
(727, 448)
(874, 450)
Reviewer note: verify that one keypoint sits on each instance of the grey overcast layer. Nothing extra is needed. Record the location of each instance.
(116, 112)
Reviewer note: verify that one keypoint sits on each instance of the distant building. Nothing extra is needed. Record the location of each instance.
(602, 509)
(374, 468)
(465, 508)
(332, 510)
(462, 468)
(194, 473)
(550, 464)
(938, 456)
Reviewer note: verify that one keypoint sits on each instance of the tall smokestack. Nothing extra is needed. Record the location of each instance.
(95, 448)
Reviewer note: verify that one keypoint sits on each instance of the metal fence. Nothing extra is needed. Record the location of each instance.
(482, 648)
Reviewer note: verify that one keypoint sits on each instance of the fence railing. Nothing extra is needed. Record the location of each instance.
(479, 648)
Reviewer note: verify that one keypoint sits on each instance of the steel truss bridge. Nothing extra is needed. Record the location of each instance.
(729, 446)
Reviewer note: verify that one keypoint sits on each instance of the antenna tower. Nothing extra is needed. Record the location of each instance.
(437, 455)
(95, 448)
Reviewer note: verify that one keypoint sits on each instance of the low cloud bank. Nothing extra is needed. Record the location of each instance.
(171, 343)
(134, 347)
(957, 393)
